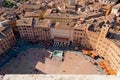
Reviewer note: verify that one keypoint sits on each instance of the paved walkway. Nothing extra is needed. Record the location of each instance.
(25, 63)
(19, 48)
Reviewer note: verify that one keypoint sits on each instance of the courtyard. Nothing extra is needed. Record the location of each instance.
(25, 63)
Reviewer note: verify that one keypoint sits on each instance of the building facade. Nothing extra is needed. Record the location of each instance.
(34, 29)
(116, 10)
(108, 49)
(42, 30)
(79, 35)
(62, 32)
(7, 38)
(25, 28)
(98, 42)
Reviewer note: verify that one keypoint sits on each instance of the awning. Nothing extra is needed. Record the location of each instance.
(61, 39)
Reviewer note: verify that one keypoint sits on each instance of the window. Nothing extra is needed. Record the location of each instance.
(3, 48)
(100, 39)
(1, 44)
(119, 55)
(103, 29)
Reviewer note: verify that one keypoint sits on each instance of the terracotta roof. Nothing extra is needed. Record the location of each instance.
(62, 15)
(24, 21)
(42, 23)
(33, 14)
(117, 6)
(64, 25)
(30, 6)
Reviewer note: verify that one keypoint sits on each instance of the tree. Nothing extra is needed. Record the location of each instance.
(8, 3)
